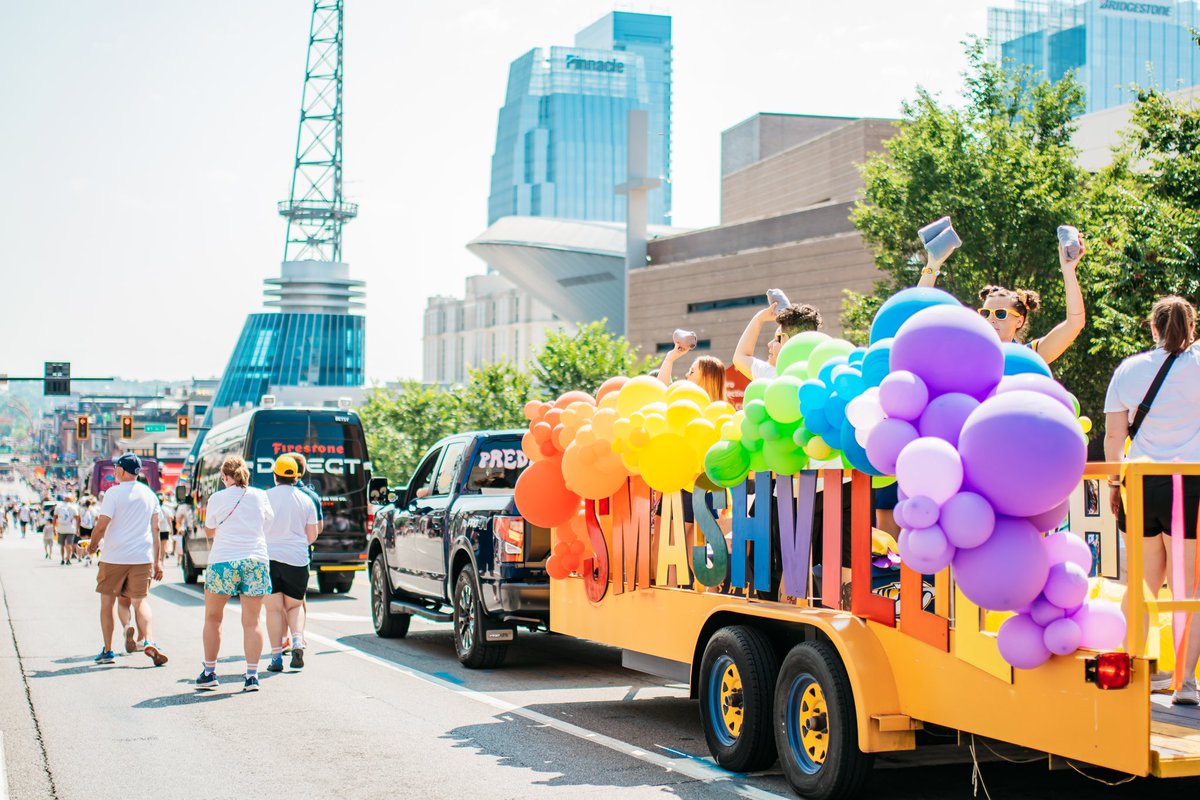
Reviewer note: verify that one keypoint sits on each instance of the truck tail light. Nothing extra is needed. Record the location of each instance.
(510, 538)
(370, 521)
(1108, 670)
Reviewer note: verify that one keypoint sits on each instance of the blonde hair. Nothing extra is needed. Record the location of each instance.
(710, 375)
(236, 468)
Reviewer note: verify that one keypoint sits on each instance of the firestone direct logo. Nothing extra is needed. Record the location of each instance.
(591, 65)
(1136, 8)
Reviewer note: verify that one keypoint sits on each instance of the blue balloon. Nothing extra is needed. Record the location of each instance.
(902, 305)
(854, 452)
(817, 424)
(813, 395)
(833, 436)
(825, 376)
(857, 356)
(1019, 359)
(835, 410)
(848, 382)
(877, 362)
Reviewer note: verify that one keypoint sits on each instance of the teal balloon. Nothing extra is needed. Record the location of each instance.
(727, 464)
(783, 399)
(784, 457)
(903, 304)
(876, 364)
(1019, 360)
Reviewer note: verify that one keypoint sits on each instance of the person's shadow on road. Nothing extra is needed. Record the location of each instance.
(195, 696)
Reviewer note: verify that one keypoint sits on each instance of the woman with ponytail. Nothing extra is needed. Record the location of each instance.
(1166, 381)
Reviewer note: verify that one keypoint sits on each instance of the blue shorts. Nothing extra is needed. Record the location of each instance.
(244, 576)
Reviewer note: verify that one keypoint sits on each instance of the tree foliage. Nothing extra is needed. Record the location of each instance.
(585, 359)
(401, 424)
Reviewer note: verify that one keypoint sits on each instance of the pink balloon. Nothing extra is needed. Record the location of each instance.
(920, 511)
(1066, 585)
(1043, 612)
(951, 349)
(1008, 570)
(1065, 546)
(886, 440)
(903, 395)
(1101, 625)
(925, 550)
(968, 519)
(1062, 636)
(1021, 642)
(930, 467)
(1050, 520)
(945, 415)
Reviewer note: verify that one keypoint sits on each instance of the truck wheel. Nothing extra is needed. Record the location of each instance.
(387, 624)
(342, 585)
(737, 677)
(816, 729)
(190, 573)
(470, 628)
(324, 583)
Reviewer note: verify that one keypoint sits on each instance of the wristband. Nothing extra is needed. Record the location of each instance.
(931, 271)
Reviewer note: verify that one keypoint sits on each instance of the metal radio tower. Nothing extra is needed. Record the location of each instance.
(316, 211)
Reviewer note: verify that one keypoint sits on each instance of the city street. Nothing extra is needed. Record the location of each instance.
(375, 718)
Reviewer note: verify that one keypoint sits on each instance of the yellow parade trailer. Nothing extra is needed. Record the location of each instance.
(822, 677)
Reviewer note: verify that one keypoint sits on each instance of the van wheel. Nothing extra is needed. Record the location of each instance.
(190, 573)
(342, 586)
(387, 625)
(816, 729)
(737, 678)
(470, 628)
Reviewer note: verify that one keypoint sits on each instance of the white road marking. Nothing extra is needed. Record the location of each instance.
(3, 771)
(700, 770)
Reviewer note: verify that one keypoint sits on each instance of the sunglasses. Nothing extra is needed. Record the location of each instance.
(781, 337)
(1000, 313)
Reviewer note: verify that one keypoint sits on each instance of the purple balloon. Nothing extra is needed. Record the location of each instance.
(926, 550)
(898, 514)
(1062, 637)
(1050, 520)
(1050, 452)
(1036, 383)
(1043, 612)
(921, 512)
(1066, 585)
(968, 519)
(929, 467)
(1067, 547)
(903, 395)
(945, 415)
(1021, 642)
(1007, 571)
(886, 440)
(1101, 625)
(951, 349)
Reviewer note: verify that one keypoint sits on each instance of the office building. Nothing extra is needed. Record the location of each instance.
(1112, 45)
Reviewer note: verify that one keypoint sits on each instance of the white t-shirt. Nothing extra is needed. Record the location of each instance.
(286, 539)
(761, 369)
(1171, 429)
(87, 517)
(240, 517)
(128, 539)
(66, 518)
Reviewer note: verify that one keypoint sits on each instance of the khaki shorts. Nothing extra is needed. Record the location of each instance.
(125, 580)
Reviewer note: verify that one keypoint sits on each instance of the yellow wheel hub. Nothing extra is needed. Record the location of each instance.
(731, 700)
(814, 723)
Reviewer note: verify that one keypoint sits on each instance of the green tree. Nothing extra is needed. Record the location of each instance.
(495, 397)
(401, 424)
(585, 359)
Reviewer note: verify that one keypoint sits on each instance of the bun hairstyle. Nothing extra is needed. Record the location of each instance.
(235, 468)
(1026, 302)
(1174, 320)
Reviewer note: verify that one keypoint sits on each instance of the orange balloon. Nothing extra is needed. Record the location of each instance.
(609, 386)
(541, 432)
(543, 497)
(533, 410)
(530, 447)
(574, 397)
(586, 479)
(553, 417)
(549, 450)
(555, 568)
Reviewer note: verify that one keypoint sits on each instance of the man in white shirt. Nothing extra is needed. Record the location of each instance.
(66, 525)
(132, 555)
(789, 321)
(292, 530)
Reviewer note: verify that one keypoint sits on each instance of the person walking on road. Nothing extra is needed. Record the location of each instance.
(23, 519)
(131, 556)
(46, 521)
(87, 522)
(312, 494)
(292, 531)
(66, 525)
(236, 519)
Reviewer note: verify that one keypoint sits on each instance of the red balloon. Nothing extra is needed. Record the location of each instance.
(555, 568)
(542, 496)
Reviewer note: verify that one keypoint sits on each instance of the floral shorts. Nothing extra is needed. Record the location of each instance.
(243, 576)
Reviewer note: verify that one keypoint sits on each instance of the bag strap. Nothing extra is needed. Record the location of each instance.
(1144, 407)
(235, 507)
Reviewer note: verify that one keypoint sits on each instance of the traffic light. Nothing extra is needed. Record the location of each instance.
(81, 428)
(182, 424)
(56, 380)
(126, 427)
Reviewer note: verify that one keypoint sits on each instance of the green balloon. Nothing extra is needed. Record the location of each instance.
(727, 463)
(1074, 400)
(797, 370)
(783, 399)
(784, 458)
(756, 390)
(798, 348)
(880, 481)
(756, 411)
(770, 430)
(825, 351)
(801, 436)
(758, 462)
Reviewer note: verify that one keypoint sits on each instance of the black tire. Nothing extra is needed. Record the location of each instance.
(342, 585)
(387, 625)
(190, 574)
(737, 683)
(470, 626)
(813, 686)
(324, 583)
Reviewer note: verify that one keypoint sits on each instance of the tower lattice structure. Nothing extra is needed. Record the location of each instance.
(315, 210)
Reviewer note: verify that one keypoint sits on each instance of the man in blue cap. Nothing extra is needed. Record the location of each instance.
(131, 555)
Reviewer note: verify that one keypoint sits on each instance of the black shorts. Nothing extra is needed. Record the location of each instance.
(85, 533)
(164, 536)
(289, 580)
(1156, 505)
(66, 539)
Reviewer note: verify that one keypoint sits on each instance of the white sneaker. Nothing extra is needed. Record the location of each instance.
(1161, 681)
(1187, 695)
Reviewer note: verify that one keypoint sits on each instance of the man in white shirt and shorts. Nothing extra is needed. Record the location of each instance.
(131, 557)
(292, 530)
(66, 525)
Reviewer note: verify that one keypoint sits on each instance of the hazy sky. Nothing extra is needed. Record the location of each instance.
(146, 144)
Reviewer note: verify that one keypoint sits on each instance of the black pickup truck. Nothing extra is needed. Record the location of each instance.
(451, 546)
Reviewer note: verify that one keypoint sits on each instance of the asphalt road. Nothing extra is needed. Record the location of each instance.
(370, 718)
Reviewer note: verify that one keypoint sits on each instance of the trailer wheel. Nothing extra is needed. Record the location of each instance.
(737, 675)
(816, 729)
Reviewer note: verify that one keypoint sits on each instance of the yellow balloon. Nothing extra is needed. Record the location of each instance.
(639, 438)
(657, 424)
(731, 432)
(818, 449)
(714, 411)
(701, 435)
(638, 393)
(584, 437)
(686, 390)
(621, 428)
(669, 464)
(655, 408)
(1086, 424)
(681, 412)
(630, 460)
(609, 401)
(638, 418)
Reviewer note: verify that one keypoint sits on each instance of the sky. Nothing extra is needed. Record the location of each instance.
(147, 143)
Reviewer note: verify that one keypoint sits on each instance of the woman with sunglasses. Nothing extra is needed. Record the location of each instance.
(1009, 311)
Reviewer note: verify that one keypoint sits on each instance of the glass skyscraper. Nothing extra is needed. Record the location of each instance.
(1112, 44)
(560, 141)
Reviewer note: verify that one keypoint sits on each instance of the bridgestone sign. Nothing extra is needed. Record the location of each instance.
(1123, 7)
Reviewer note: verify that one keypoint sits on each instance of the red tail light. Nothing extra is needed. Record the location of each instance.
(370, 521)
(510, 539)
(1108, 670)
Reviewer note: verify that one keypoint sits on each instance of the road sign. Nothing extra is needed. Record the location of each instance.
(155, 427)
